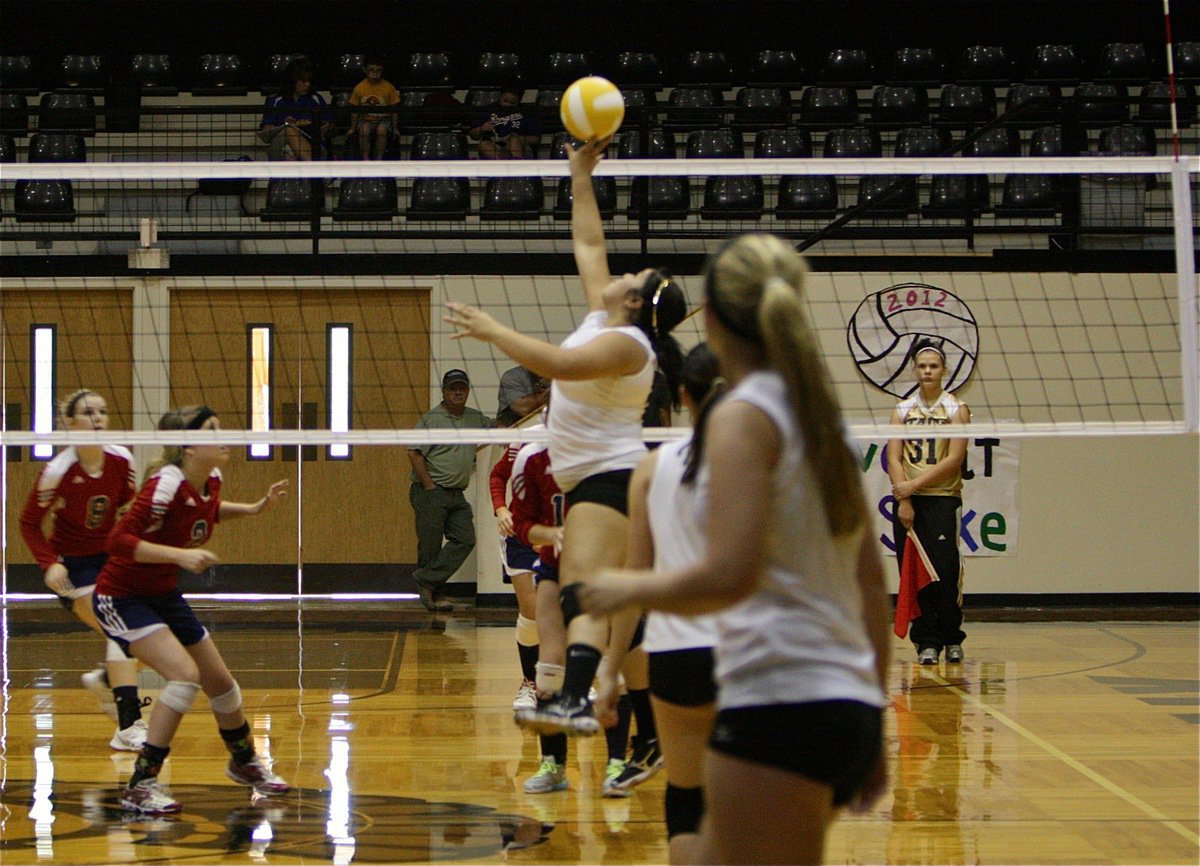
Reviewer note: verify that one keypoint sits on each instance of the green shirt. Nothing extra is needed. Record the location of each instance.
(450, 465)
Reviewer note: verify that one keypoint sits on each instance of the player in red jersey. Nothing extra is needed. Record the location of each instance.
(139, 605)
(80, 491)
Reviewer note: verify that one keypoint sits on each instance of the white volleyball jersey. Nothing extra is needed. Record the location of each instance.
(677, 514)
(800, 636)
(596, 424)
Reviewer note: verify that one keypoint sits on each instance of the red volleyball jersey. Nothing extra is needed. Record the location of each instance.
(169, 511)
(84, 506)
(501, 472)
(536, 498)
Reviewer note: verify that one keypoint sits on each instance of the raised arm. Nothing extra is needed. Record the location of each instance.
(587, 229)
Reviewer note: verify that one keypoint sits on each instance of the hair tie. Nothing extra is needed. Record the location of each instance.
(202, 415)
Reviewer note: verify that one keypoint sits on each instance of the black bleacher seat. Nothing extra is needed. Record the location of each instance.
(798, 195)
(82, 72)
(896, 195)
(725, 197)
(219, 75)
(1128, 140)
(1187, 61)
(692, 108)
(967, 103)
(637, 70)
(662, 197)
(293, 199)
(512, 198)
(847, 67)
(1055, 64)
(439, 198)
(954, 195)
(706, 69)
(916, 67)
(1101, 104)
(986, 64)
(153, 74)
(548, 102)
(497, 68)
(17, 75)
(1154, 104)
(68, 111)
(1032, 104)
(426, 71)
(14, 114)
(823, 105)
(481, 97)
(1124, 63)
(563, 67)
(366, 198)
(605, 187)
(49, 200)
(275, 73)
(347, 72)
(775, 69)
(8, 149)
(783, 144)
(997, 141)
(899, 105)
(761, 107)
(1035, 195)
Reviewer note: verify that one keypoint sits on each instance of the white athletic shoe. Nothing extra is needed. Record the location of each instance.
(130, 739)
(149, 798)
(526, 698)
(551, 776)
(257, 774)
(96, 682)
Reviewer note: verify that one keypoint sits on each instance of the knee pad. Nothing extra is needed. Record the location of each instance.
(179, 695)
(229, 702)
(639, 634)
(549, 678)
(684, 808)
(568, 599)
(113, 652)
(527, 634)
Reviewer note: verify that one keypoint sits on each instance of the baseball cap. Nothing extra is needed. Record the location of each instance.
(454, 376)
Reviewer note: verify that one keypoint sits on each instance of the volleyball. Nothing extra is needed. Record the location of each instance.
(592, 107)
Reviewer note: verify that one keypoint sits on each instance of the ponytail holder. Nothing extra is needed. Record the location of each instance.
(202, 415)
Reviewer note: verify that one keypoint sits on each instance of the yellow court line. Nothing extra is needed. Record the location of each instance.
(1110, 786)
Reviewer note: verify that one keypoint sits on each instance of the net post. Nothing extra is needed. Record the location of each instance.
(1185, 271)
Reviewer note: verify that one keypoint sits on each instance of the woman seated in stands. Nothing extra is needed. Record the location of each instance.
(297, 123)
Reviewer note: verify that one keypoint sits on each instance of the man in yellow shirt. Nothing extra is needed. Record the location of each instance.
(374, 89)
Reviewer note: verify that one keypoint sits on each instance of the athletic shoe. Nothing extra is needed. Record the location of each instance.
(954, 654)
(258, 775)
(526, 698)
(551, 776)
(928, 656)
(149, 798)
(612, 773)
(556, 716)
(129, 739)
(646, 760)
(96, 681)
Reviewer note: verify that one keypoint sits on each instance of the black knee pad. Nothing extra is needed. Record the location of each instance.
(568, 599)
(684, 808)
(639, 634)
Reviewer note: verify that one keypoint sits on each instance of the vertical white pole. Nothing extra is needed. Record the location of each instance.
(1185, 271)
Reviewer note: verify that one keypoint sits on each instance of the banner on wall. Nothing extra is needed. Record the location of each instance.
(989, 510)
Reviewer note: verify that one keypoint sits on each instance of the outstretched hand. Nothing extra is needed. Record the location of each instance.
(470, 322)
(583, 159)
(274, 492)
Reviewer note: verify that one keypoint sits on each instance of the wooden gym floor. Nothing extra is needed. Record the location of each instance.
(1072, 742)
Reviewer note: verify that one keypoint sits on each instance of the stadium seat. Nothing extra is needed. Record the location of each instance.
(293, 199)
(8, 149)
(49, 200)
(68, 112)
(967, 103)
(986, 64)
(547, 103)
(605, 187)
(426, 71)
(899, 105)
(896, 195)
(706, 69)
(1154, 104)
(480, 97)
(17, 75)
(1032, 104)
(783, 144)
(1187, 61)
(916, 67)
(1128, 140)
(725, 197)
(347, 72)
(796, 192)
(807, 196)
(775, 69)
(1055, 64)
(82, 72)
(692, 108)
(512, 198)
(1101, 104)
(219, 75)
(956, 195)
(1035, 195)
(847, 67)
(1124, 63)
(828, 106)
(495, 69)
(760, 107)
(153, 74)
(276, 71)
(637, 70)
(366, 198)
(563, 67)
(14, 115)
(441, 198)
(658, 197)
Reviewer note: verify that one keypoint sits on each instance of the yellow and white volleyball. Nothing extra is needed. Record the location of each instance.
(592, 107)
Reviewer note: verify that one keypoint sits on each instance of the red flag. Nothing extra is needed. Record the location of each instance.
(916, 573)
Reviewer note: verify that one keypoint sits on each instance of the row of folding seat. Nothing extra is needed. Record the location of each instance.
(215, 74)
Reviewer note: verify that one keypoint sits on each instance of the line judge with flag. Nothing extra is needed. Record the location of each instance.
(926, 474)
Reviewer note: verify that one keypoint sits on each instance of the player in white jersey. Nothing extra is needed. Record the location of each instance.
(803, 646)
(926, 478)
(602, 375)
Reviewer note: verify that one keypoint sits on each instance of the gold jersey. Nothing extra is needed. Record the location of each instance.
(920, 454)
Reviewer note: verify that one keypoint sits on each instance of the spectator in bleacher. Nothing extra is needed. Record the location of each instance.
(374, 130)
(293, 124)
(503, 130)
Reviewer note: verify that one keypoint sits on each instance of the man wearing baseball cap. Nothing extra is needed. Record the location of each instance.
(440, 474)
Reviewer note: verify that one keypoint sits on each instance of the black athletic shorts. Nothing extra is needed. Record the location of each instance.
(683, 677)
(604, 488)
(835, 743)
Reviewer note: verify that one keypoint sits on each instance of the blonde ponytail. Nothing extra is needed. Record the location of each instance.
(183, 418)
